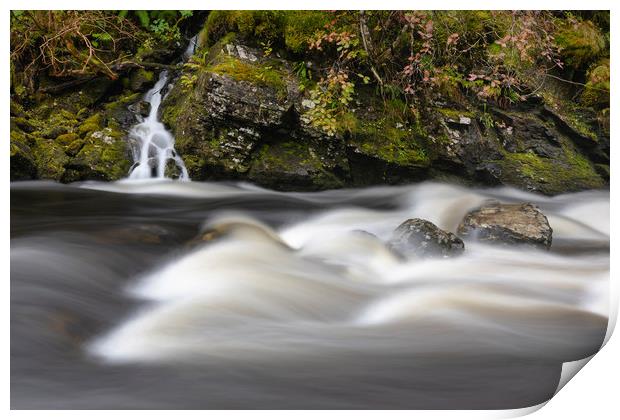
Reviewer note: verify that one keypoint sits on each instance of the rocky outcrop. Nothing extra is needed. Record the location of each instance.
(245, 118)
(245, 125)
(511, 224)
(242, 116)
(75, 135)
(420, 238)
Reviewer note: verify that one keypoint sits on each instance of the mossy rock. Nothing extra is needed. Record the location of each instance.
(387, 139)
(118, 108)
(301, 27)
(267, 74)
(253, 26)
(140, 79)
(291, 166)
(22, 159)
(597, 89)
(92, 123)
(550, 176)
(86, 96)
(105, 155)
(50, 159)
(581, 42)
(66, 139)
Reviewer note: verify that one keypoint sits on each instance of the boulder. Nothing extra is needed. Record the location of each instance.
(421, 238)
(520, 223)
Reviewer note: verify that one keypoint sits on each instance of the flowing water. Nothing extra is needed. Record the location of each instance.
(113, 305)
(154, 152)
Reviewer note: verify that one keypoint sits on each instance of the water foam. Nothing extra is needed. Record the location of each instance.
(319, 285)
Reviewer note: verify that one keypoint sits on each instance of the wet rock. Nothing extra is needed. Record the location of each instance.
(172, 170)
(507, 224)
(151, 234)
(421, 238)
(141, 108)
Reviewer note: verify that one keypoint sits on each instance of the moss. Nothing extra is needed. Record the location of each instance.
(580, 41)
(392, 137)
(254, 26)
(596, 92)
(105, 154)
(92, 123)
(22, 160)
(263, 74)
(455, 114)
(194, 164)
(67, 138)
(290, 165)
(550, 176)
(49, 158)
(301, 27)
(140, 78)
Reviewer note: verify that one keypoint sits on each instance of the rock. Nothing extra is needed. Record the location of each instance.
(22, 160)
(141, 79)
(421, 238)
(142, 108)
(507, 224)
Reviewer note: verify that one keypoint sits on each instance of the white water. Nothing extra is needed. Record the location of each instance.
(316, 287)
(155, 143)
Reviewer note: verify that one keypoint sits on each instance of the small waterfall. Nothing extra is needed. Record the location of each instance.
(191, 48)
(155, 144)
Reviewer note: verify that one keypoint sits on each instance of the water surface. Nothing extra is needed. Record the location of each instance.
(113, 305)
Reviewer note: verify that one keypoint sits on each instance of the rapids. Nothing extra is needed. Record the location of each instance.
(112, 306)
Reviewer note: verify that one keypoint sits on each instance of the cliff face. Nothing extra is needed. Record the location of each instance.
(237, 126)
(242, 112)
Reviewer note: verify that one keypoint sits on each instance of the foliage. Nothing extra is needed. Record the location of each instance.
(70, 43)
(330, 98)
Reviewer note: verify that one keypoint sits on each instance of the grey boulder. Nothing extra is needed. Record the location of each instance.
(421, 238)
(510, 224)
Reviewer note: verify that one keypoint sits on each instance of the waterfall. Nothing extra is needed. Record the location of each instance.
(191, 48)
(155, 149)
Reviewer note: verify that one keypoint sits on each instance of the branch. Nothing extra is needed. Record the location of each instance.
(366, 34)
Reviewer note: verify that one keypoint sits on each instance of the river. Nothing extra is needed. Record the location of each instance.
(115, 306)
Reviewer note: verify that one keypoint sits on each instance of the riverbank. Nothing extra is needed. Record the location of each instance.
(258, 100)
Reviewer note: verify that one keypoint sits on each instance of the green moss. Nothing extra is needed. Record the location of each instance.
(21, 158)
(92, 123)
(301, 27)
(66, 139)
(296, 162)
(140, 78)
(596, 92)
(580, 41)
(389, 143)
(263, 74)
(50, 159)
(573, 172)
(393, 134)
(455, 114)
(252, 25)
(105, 154)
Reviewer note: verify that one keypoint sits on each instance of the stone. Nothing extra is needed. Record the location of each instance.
(142, 108)
(511, 224)
(421, 238)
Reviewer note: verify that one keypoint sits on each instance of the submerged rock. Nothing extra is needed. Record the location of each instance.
(507, 224)
(421, 238)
